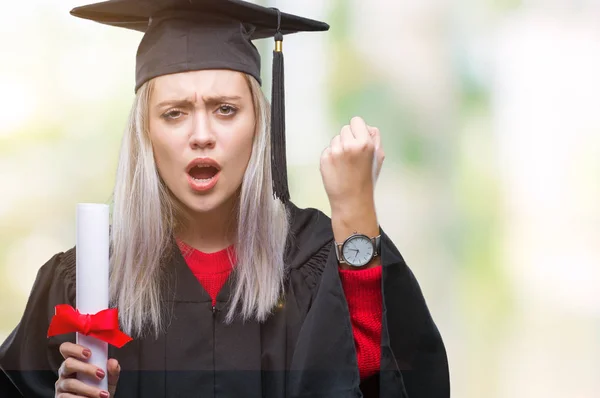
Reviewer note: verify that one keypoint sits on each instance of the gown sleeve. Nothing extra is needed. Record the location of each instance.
(413, 361)
(411, 345)
(29, 361)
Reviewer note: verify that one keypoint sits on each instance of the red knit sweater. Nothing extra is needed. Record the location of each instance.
(362, 289)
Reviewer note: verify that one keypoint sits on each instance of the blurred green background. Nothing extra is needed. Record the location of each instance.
(489, 112)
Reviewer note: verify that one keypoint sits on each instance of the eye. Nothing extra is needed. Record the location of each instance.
(172, 114)
(226, 110)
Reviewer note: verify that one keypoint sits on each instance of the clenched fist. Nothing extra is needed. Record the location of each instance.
(350, 165)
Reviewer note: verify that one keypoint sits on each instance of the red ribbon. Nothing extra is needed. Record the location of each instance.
(103, 325)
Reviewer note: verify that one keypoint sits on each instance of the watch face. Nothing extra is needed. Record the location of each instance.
(358, 250)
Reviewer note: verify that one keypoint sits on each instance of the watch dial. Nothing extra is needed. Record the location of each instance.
(358, 251)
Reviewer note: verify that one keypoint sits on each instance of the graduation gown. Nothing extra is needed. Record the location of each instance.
(304, 349)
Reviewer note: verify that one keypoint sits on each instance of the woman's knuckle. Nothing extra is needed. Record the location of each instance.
(67, 384)
(69, 363)
(63, 386)
(356, 119)
(63, 348)
(353, 148)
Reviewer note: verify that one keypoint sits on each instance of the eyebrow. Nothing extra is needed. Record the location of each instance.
(210, 100)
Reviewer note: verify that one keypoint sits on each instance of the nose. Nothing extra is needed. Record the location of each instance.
(202, 135)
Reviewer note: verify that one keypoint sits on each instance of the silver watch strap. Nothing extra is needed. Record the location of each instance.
(377, 245)
(338, 252)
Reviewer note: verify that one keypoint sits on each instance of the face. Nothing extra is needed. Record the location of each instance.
(202, 127)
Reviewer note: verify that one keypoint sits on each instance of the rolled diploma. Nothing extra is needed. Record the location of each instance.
(92, 279)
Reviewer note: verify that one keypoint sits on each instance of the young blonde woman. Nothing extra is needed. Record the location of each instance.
(227, 288)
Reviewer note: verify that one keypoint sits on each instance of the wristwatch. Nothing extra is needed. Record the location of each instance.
(358, 250)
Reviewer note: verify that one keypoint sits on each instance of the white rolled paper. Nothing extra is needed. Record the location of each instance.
(92, 279)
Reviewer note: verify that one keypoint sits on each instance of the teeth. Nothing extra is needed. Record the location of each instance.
(202, 179)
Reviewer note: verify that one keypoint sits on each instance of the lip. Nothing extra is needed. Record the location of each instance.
(200, 186)
(202, 161)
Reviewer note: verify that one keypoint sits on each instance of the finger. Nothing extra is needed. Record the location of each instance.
(114, 370)
(67, 395)
(376, 136)
(359, 129)
(346, 137)
(326, 153)
(72, 365)
(380, 156)
(336, 145)
(79, 388)
(68, 349)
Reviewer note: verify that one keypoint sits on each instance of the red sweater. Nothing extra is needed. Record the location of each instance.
(362, 289)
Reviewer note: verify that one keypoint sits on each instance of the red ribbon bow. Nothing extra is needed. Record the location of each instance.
(103, 325)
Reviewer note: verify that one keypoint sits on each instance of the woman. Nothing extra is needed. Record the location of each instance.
(226, 290)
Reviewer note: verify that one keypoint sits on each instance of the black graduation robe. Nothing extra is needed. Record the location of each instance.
(305, 349)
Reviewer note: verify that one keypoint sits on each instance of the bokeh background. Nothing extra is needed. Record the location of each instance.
(490, 116)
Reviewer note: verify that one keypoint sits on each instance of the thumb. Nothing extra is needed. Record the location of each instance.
(375, 135)
(114, 369)
(377, 158)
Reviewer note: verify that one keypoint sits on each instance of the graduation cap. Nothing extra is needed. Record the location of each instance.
(187, 35)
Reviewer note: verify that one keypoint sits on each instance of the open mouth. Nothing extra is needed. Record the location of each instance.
(203, 172)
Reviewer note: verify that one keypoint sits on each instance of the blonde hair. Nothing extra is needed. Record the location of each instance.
(146, 214)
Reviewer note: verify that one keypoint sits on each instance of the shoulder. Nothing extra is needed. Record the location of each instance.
(63, 263)
(28, 347)
(310, 233)
(309, 242)
(57, 275)
(309, 221)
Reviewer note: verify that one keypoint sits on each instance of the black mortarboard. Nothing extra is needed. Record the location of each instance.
(186, 35)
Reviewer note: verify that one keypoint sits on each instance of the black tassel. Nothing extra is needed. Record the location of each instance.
(278, 154)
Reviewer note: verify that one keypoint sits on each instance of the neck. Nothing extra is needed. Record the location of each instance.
(211, 231)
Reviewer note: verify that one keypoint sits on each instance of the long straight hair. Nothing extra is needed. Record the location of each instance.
(146, 215)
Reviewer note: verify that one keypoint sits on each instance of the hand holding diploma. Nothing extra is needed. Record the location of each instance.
(84, 370)
(76, 357)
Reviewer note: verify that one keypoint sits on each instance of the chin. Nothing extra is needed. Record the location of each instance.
(206, 203)
(202, 204)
